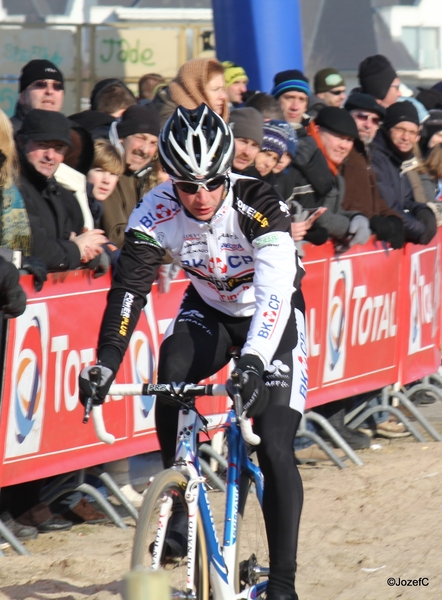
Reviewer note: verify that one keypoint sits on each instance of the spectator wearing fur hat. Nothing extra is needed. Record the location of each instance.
(136, 135)
(329, 88)
(236, 83)
(361, 190)
(392, 155)
(378, 78)
(247, 126)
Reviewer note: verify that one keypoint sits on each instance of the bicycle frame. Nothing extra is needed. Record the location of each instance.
(221, 558)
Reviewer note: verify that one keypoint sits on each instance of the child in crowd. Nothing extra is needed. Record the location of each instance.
(274, 145)
(102, 179)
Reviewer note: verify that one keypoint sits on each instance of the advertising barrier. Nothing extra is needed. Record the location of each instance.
(373, 319)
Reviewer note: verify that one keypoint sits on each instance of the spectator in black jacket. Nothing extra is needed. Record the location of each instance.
(392, 148)
(55, 216)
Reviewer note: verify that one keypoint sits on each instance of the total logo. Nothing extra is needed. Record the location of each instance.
(143, 371)
(28, 388)
(424, 299)
(340, 284)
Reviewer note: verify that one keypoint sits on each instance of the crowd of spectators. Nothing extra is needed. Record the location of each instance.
(349, 164)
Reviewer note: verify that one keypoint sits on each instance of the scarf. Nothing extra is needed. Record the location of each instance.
(187, 89)
(312, 131)
(15, 227)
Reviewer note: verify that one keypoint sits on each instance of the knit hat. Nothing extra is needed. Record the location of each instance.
(290, 81)
(233, 72)
(247, 123)
(44, 125)
(358, 100)
(275, 137)
(327, 79)
(38, 69)
(292, 137)
(337, 121)
(431, 126)
(376, 75)
(139, 118)
(399, 112)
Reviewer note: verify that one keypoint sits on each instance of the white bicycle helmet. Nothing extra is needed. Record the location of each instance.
(196, 145)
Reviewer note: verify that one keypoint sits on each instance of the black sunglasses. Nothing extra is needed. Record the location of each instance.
(363, 117)
(336, 92)
(193, 188)
(42, 84)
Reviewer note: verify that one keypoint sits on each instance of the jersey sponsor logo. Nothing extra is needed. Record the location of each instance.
(162, 213)
(217, 266)
(231, 247)
(284, 208)
(252, 213)
(143, 237)
(279, 369)
(195, 314)
(125, 313)
(272, 239)
(270, 317)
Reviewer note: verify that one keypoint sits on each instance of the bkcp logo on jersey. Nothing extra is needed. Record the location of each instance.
(340, 288)
(28, 388)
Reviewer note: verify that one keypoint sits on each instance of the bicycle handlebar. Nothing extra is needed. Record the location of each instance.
(150, 389)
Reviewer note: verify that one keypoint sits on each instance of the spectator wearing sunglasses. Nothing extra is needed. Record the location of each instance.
(361, 190)
(330, 90)
(41, 85)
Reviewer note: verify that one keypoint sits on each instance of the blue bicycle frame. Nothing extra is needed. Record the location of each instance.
(221, 559)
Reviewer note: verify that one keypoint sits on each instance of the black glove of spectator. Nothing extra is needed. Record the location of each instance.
(426, 216)
(106, 378)
(12, 296)
(389, 229)
(37, 268)
(103, 265)
(254, 393)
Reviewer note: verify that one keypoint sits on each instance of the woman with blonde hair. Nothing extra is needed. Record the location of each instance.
(198, 80)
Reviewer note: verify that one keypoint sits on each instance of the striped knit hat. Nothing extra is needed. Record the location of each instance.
(290, 81)
(275, 137)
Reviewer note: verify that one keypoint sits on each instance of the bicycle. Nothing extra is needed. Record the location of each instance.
(234, 569)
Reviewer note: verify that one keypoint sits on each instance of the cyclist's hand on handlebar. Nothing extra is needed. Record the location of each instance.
(106, 377)
(254, 393)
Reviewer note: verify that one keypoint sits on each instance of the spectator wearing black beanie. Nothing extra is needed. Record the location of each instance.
(392, 157)
(137, 136)
(379, 79)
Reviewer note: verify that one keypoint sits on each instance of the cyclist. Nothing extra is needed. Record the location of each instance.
(231, 234)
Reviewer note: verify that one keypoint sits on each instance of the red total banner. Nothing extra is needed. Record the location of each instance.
(373, 319)
(41, 417)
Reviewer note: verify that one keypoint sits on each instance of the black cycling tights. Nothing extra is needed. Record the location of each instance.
(198, 347)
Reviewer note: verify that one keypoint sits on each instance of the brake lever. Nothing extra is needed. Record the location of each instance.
(94, 380)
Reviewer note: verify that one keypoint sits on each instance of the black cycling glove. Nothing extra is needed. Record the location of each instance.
(254, 393)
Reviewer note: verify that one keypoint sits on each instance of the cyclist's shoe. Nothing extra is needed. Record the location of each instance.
(174, 549)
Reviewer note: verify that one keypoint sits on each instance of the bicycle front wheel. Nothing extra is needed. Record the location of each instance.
(170, 486)
(252, 552)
